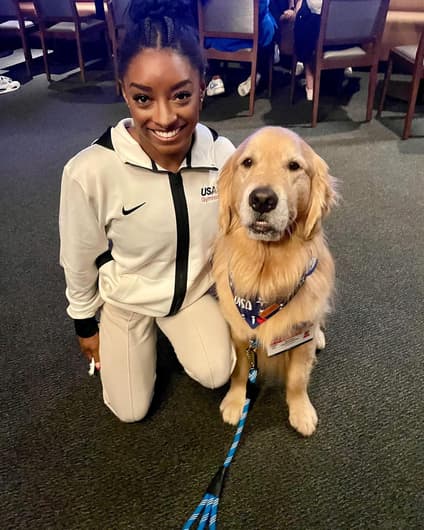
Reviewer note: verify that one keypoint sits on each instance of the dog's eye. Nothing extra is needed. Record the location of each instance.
(247, 162)
(293, 166)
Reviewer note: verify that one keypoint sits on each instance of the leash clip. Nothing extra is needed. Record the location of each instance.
(251, 351)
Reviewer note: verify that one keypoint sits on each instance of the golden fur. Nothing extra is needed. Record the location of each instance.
(274, 191)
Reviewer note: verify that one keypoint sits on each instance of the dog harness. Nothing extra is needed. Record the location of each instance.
(255, 311)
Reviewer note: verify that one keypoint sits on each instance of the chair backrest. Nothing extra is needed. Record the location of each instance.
(120, 11)
(352, 21)
(228, 18)
(56, 9)
(117, 20)
(8, 9)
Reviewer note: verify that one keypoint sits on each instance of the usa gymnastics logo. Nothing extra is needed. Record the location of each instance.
(208, 193)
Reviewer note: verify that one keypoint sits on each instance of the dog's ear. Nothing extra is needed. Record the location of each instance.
(224, 195)
(323, 193)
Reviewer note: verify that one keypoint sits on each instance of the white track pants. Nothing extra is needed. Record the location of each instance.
(198, 334)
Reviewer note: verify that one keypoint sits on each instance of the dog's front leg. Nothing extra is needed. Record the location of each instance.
(232, 405)
(302, 414)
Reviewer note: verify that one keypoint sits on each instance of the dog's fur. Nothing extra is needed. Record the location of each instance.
(266, 253)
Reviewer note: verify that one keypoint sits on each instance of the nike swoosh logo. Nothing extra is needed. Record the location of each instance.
(131, 210)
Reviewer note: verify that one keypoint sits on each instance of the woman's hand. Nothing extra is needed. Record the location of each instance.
(288, 14)
(90, 348)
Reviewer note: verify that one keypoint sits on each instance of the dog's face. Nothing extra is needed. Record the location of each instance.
(274, 184)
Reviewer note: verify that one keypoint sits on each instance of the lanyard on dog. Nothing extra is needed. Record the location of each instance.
(255, 311)
(209, 503)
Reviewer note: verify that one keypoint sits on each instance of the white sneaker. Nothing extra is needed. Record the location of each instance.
(299, 69)
(8, 85)
(4, 81)
(276, 54)
(215, 86)
(244, 88)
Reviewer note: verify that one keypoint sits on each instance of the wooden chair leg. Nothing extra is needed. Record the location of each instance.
(27, 53)
(116, 73)
(315, 97)
(112, 50)
(385, 86)
(293, 77)
(80, 58)
(411, 103)
(45, 55)
(270, 71)
(252, 89)
(372, 83)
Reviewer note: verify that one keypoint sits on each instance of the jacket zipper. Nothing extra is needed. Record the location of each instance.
(183, 241)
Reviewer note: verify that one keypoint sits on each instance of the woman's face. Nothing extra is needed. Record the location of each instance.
(163, 92)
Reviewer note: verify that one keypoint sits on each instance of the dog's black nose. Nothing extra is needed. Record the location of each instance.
(263, 199)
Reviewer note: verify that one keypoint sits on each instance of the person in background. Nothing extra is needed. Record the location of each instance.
(306, 32)
(284, 11)
(267, 28)
(138, 217)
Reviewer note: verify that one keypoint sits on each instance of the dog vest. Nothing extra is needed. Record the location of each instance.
(255, 311)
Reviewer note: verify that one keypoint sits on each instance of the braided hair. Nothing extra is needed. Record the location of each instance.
(161, 24)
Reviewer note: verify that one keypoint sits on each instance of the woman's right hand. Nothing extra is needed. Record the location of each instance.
(90, 348)
(289, 14)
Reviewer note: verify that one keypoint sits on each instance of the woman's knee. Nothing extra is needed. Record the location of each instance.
(129, 412)
(213, 376)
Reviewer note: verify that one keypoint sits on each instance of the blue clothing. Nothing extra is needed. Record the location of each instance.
(267, 27)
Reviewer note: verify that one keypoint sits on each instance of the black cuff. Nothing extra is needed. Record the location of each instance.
(86, 327)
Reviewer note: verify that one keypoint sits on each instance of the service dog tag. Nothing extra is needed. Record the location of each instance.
(282, 344)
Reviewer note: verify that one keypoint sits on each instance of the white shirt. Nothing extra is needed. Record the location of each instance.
(161, 225)
(315, 6)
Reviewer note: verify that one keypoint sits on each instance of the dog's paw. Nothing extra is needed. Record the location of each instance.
(303, 416)
(320, 339)
(232, 406)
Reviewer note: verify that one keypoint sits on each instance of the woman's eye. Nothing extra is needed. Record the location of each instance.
(294, 166)
(141, 98)
(181, 96)
(247, 162)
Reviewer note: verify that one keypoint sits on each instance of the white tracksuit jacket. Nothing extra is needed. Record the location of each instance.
(159, 225)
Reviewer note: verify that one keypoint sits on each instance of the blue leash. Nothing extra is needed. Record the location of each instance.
(209, 503)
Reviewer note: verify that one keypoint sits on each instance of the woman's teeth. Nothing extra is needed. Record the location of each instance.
(168, 134)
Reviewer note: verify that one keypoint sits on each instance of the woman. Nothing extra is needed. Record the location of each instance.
(138, 217)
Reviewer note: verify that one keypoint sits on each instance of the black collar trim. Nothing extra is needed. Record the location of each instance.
(105, 139)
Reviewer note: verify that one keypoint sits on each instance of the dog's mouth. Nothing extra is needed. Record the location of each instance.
(261, 227)
(263, 230)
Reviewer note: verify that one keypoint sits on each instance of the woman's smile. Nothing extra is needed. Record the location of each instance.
(167, 136)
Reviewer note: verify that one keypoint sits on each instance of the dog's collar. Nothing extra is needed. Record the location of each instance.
(255, 311)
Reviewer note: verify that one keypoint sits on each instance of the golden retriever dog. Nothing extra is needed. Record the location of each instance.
(273, 270)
